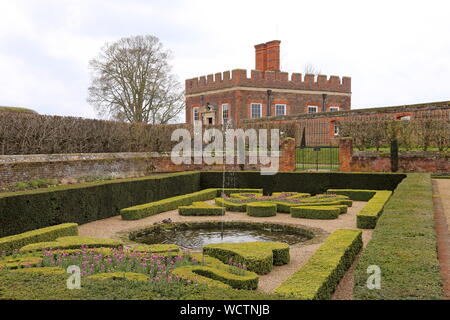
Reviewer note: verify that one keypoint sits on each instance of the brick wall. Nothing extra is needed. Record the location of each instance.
(409, 161)
(70, 167)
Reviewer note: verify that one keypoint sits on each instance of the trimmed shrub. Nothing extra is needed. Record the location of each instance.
(316, 212)
(342, 208)
(258, 257)
(20, 262)
(132, 276)
(368, 216)
(229, 191)
(354, 194)
(247, 281)
(231, 206)
(403, 245)
(157, 248)
(187, 273)
(11, 243)
(43, 270)
(261, 209)
(152, 208)
(201, 209)
(319, 277)
(83, 203)
(73, 242)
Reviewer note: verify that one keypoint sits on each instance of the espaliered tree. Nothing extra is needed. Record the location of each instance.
(132, 81)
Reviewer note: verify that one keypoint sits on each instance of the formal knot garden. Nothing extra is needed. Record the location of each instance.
(194, 235)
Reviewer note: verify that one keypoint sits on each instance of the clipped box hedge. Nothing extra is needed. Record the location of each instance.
(319, 277)
(156, 248)
(83, 203)
(231, 206)
(258, 257)
(152, 208)
(20, 262)
(201, 209)
(199, 274)
(368, 216)
(316, 212)
(354, 194)
(72, 242)
(262, 209)
(131, 276)
(11, 243)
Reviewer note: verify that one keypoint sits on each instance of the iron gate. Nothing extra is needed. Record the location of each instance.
(317, 158)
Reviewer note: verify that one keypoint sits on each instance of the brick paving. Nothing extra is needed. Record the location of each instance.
(441, 197)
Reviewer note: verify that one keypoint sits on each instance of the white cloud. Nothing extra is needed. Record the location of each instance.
(396, 52)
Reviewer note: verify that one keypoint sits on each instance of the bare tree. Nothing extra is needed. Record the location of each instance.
(311, 69)
(132, 81)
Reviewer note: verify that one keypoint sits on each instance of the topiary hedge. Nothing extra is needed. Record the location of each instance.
(316, 212)
(132, 276)
(82, 203)
(11, 243)
(19, 262)
(261, 209)
(403, 245)
(368, 216)
(72, 242)
(319, 277)
(152, 208)
(354, 194)
(201, 209)
(258, 257)
(156, 248)
(212, 275)
(231, 206)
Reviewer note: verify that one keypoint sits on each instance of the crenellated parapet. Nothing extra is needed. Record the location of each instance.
(267, 79)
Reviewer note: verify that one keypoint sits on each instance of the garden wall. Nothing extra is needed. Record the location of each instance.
(408, 161)
(68, 167)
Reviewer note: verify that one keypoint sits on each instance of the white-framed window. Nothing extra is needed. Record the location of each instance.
(405, 118)
(195, 113)
(313, 109)
(225, 112)
(336, 128)
(334, 108)
(280, 109)
(256, 110)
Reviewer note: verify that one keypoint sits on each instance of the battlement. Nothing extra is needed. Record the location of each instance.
(269, 80)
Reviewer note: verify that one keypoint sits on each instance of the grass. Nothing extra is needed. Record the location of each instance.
(403, 245)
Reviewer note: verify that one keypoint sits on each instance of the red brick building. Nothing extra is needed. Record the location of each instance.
(266, 92)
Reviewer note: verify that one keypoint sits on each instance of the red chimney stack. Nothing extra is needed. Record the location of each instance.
(267, 56)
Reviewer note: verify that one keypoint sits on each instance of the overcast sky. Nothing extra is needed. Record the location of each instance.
(397, 52)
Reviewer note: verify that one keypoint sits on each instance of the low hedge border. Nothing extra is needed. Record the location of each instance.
(157, 248)
(247, 281)
(316, 212)
(368, 216)
(132, 276)
(354, 194)
(403, 245)
(201, 209)
(11, 243)
(20, 262)
(231, 206)
(258, 257)
(43, 270)
(152, 208)
(262, 209)
(319, 277)
(72, 242)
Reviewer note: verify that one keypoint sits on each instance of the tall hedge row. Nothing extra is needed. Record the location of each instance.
(25, 211)
(301, 182)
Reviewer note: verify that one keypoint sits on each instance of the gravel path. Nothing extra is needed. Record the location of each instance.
(113, 227)
(444, 190)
